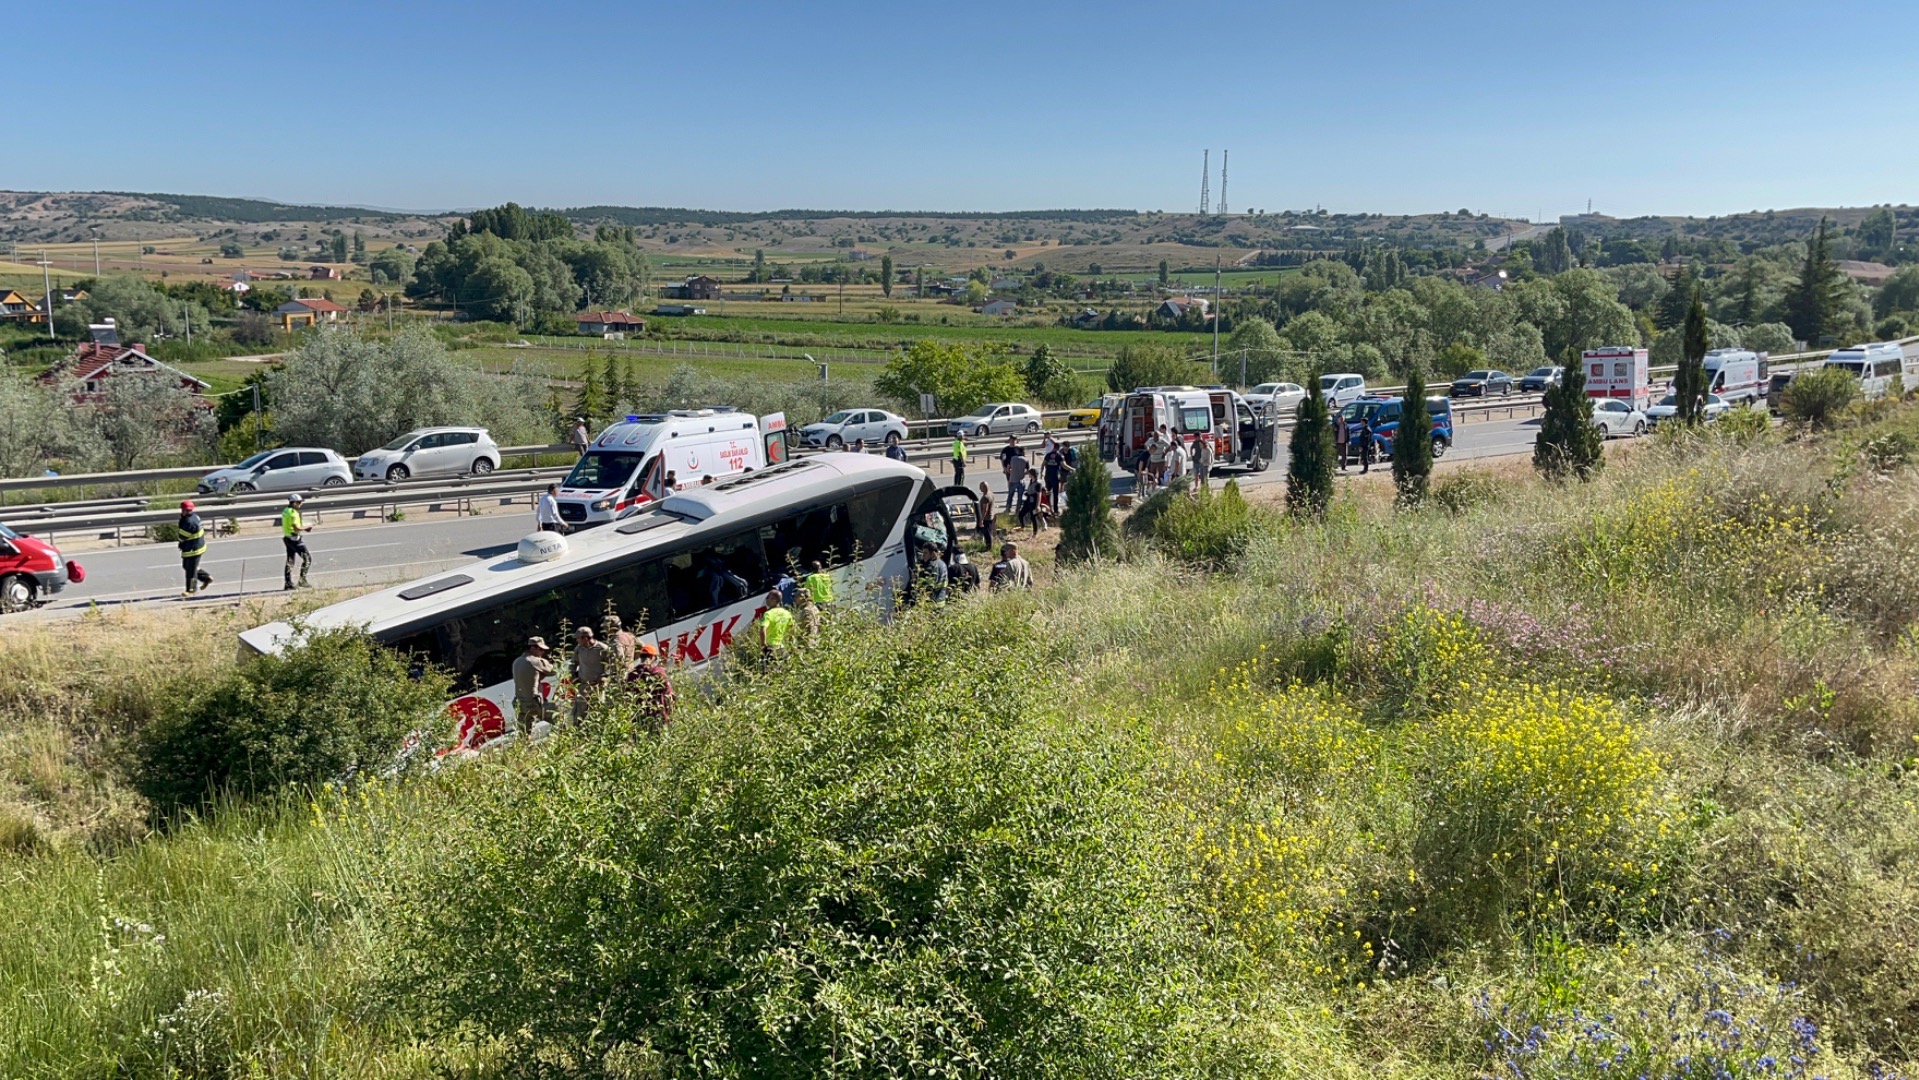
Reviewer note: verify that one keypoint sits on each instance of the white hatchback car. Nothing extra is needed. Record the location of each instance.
(440, 451)
(293, 468)
(877, 426)
(1614, 417)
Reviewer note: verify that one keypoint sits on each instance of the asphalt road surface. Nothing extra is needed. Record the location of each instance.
(362, 553)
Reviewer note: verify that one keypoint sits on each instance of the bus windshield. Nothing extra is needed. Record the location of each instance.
(604, 470)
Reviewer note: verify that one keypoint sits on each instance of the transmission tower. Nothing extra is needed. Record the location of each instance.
(1222, 181)
(1205, 180)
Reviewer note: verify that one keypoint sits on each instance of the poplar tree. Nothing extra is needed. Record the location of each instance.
(1813, 301)
(886, 276)
(1309, 473)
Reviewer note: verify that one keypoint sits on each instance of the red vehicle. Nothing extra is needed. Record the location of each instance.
(31, 569)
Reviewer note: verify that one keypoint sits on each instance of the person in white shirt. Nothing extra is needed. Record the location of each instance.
(547, 513)
(1175, 463)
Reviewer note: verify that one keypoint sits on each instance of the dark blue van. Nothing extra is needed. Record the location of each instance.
(1382, 413)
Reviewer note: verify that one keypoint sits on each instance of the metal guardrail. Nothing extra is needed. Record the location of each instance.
(386, 497)
(193, 472)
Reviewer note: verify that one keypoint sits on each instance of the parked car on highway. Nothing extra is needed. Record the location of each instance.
(1668, 408)
(876, 426)
(1279, 399)
(1615, 417)
(1775, 386)
(296, 468)
(1483, 382)
(439, 451)
(1342, 388)
(1539, 378)
(1382, 415)
(30, 569)
(998, 418)
(1088, 416)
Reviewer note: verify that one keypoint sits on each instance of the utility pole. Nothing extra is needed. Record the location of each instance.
(95, 230)
(46, 281)
(1216, 313)
(256, 417)
(186, 313)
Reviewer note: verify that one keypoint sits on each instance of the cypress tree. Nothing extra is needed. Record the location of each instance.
(615, 387)
(1672, 306)
(1086, 530)
(590, 402)
(1812, 302)
(1568, 444)
(1309, 475)
(1689, 382)
(1413, 444)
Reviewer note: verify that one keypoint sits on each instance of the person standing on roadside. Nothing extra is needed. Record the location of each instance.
(578, 437)
(959, 460)
(983, 511)
(620, 642)
(656, 702)
(1011, 571)
(1342, 436)
(896, 452)
(293, 530)
(528, 706)
(1203, 463)
(1362, 433)
(546, 515)
(934, 575)
(591, 658)
(775, 624)
(1028, 495)
(1156, 448)
(1176, 463)
(1016, 469)
(193, 546)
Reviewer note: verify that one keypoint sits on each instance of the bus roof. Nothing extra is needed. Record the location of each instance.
(675, 516)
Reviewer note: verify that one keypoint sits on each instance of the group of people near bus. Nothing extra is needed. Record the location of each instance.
(598, 663)
(1168, 460)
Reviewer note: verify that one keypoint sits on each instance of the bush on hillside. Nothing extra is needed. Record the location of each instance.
(879, 862)
(330, 709)
(1819, 397)
(1202, 528)
(1086, 529)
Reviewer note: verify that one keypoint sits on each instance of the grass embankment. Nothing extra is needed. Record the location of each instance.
(1609, 779)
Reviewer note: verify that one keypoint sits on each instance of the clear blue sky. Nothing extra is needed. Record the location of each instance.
(1388, 105)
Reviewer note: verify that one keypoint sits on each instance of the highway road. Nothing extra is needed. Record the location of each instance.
(357, 552)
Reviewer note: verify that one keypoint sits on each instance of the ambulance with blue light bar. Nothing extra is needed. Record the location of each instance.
(626, 468)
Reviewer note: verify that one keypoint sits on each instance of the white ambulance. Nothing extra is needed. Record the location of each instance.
(1738, 376)
(628, 467)
(1617, 372)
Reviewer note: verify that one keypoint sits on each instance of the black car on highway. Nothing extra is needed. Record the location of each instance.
(1482, 383)
(1539, 378)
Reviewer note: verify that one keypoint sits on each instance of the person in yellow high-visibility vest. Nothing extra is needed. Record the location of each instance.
(959, 460)
(775, 624)
(292, 533)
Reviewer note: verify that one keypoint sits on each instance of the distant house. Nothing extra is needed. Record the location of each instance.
(939, 289)
(94, 362)
(693, 288)
(1007, 284)
(602, 323)
(15, 305)
(310, 311)
(1495, 280)
(1866, 273)
(999, 307)
(1179, 306)
(1088, 317)
(237, 288)
(316, 272)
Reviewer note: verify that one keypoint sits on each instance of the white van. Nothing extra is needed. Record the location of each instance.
(1738, 376)
(1342, 389)
(626, 468)
(1875, 366)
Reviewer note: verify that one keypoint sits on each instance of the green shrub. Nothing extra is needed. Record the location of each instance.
(1817, 398)
(1086, 529)
(877, 863)
(333, 707)
(1462, 491)
(1202, 528)
(1742, 426)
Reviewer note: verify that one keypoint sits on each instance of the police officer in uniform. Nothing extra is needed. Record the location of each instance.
(292, 533)
(193, 545)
